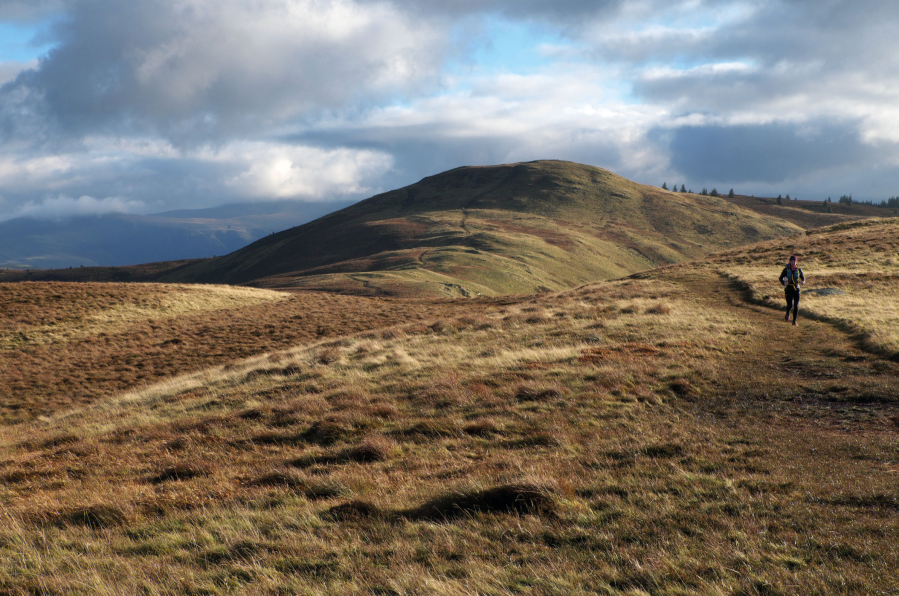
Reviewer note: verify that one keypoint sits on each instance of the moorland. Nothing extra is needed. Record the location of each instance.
(660, 432)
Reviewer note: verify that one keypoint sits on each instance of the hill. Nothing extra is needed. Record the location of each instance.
(810, 214)
(119, 240)
(666, 433)
(518, 228)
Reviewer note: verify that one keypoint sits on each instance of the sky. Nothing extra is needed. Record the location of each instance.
(151, 105)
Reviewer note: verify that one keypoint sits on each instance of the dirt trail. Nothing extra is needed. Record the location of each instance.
(813, 367)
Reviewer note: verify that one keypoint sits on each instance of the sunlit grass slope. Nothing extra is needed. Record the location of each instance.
(518, 228)
(644, 436)
(852, 277)
(63, 344)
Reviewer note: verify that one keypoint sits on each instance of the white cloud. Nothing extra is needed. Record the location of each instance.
(289, 172)
(137, 172)
(568, 114)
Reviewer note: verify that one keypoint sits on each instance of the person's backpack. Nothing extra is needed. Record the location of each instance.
(792, 278)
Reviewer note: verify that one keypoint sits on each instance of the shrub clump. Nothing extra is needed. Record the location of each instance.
(663, 450)
(482, 428)
(427, 429)
(294, 481)
(178, 472)
(371, 449)
(537, 394)
(328, 356)
(354, 511)
(325, 432)
(681, 388)
(658, 309)
(522, 498)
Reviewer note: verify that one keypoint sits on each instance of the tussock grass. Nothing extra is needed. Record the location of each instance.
(55, 313)
(65, 345)
(607, 446)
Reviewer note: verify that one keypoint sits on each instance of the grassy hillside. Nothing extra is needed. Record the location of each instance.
(851, 278)
(509, 229)
(811, 214)
(63, 345)
(665, 434)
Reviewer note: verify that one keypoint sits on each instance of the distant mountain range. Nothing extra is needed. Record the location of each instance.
(119, 239)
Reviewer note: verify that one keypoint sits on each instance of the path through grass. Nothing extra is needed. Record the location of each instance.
(659, 435)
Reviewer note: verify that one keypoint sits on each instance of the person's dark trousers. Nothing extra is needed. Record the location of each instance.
(792, 302)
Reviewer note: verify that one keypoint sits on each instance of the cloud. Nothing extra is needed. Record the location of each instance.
(30, 10)
(64, 206)
(291, 172)
(769, 153)
(199, 102)
(557, 10)
(146, 171)
(10, 69)
(502, 119)
(798, 60)
(200, 70)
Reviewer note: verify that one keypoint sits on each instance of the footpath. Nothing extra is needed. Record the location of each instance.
(815, 369)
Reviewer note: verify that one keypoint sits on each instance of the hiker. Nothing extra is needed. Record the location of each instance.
(792, 278)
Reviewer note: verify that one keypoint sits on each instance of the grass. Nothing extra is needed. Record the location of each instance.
(656, 435)
(64, 345)
(57, 313)
(810, 215)
(851, 279)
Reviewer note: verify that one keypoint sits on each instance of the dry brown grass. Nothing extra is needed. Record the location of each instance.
(63, 344)
(852, 278)
(635, 437)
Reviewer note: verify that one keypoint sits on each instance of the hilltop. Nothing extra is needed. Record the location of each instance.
(509, 229)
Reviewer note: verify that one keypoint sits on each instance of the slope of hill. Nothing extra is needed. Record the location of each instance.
(852, 277)
(516, 228)
(662, 434)
(810, 214)
(118, 240)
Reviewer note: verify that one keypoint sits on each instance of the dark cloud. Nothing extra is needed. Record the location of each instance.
(770, 153)
(821, 53)
(30, 10)
(207, 69)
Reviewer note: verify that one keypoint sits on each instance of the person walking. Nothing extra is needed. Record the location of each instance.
(792, 278)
